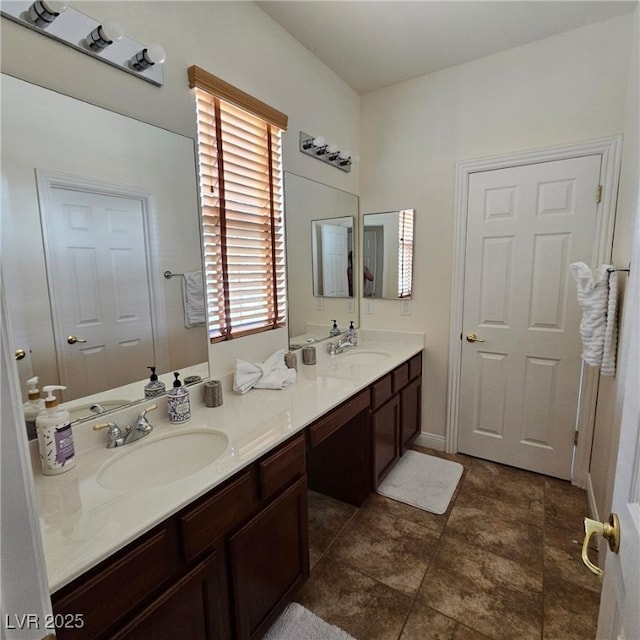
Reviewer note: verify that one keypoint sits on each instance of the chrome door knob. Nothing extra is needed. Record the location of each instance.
(74, 339)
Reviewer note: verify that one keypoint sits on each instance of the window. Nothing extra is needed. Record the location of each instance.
(240, 166)
(405, 253)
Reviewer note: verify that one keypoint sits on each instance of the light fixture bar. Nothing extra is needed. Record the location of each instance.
(317, 148)
(83, 33)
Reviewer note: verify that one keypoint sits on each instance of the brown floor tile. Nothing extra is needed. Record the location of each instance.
(425, 623)
(499, 527)
(570, 612)
(327, 517)
(363, 607)
(490, 594)
(387, 506)
(386, 548)
(565, 564)
(565, 503)
(517, 487)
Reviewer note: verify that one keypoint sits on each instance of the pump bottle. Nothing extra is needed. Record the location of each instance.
(178, 403)
(32, 407)
(55, 439)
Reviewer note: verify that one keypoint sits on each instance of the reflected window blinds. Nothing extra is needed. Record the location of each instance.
(405, 251)
(240, 166)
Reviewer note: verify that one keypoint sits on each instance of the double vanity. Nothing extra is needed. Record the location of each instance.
(201, 530)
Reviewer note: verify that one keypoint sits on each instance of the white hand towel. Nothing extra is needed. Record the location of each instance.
(595, 298)
(273, 373)
(193, 300)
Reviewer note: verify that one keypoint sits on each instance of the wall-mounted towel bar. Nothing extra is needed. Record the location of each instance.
(611, 270)
(168, 274)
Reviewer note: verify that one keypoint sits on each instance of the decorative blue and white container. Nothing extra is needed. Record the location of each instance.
(178, 402)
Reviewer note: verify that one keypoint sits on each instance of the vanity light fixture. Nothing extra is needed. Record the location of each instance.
(317, 147)
(43, 12)
(104, 35)
(147, 57)
(101, 40)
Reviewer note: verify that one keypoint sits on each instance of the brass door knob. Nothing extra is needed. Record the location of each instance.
(472, 337)
(608, 530)
(20, 353)
(74, 339)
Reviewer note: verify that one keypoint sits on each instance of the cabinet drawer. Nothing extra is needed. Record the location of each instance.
(101, 597)
(205, 525)
(381, 391)
(279, 469)
(415, 366)
(324, 427)
(400, 377)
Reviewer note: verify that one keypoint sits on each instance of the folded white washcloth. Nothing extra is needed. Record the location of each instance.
(273, 373)
(597, 295)
(193, 299)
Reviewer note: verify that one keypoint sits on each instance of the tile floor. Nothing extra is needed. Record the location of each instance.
(502, 563)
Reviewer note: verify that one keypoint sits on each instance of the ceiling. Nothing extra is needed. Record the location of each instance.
(371, 44)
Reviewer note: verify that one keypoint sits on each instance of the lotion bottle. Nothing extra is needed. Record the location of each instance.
(178, 403)
(32, 407)
(154, 387)
(55, 439)
(352, 335)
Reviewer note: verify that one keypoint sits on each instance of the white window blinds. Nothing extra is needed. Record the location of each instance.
(405, 251)
(239, 154)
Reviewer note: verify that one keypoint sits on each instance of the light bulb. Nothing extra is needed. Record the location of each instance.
(104, 35)
(319, 142)
(153, 54)
(344, 157)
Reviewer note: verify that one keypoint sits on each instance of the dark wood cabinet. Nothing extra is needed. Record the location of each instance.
(269, 560)
(181, 581)
(385, 430)
(196, 607)
(410, 413)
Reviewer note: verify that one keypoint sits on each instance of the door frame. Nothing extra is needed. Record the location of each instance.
(610, 150)
(46, 180)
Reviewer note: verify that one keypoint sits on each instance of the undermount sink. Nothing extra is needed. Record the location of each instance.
(162, 460)
(364, 356)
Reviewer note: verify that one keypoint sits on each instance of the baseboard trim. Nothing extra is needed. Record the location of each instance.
(430, 440)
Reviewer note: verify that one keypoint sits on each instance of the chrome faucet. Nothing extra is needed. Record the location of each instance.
(334, 348)
(118, 437)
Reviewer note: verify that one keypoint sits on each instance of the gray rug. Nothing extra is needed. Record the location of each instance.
(298, 623)
(422, 481)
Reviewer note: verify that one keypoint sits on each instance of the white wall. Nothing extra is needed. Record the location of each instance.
(234, 40)
(567, 88)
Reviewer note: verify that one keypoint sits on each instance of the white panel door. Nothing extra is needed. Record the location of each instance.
(520, 380)
(335, 249)
(620, 601)
(97, 266)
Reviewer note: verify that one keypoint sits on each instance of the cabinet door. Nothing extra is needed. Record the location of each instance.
(269, 561)
(195, 607)
(410, 413)
(385, 427)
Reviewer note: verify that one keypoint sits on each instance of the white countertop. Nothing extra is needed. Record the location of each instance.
(83, 523)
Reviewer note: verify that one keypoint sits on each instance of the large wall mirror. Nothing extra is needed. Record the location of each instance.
(387, 254)
(95, 208)
(317, 216)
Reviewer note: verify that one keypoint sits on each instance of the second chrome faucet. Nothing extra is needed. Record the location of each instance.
(118, 437)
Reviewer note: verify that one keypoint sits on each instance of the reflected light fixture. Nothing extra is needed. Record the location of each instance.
(102, 40)
(317, 147)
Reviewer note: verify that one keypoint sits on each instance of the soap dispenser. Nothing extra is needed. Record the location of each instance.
(154, 387)
(32, 407)
(352, 334)
(178, 404)
(55, 438)
(334, 330)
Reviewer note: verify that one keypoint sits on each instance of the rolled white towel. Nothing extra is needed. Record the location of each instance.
(273, 373)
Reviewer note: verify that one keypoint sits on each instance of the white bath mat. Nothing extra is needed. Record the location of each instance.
(298, 623)
(423, 481)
